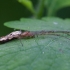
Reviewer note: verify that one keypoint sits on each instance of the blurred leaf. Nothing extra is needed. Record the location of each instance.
(40, 53)
(28, 4)
(36, 25)
(63, 3)
(54, 5)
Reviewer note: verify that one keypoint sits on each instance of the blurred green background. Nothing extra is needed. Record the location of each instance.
(13, 10)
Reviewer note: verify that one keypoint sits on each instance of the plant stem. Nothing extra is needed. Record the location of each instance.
(40, 9)
(52, 8)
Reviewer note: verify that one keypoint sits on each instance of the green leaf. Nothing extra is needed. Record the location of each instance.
(54, 5)
(47, 52)
(36, 25)
(28, 4)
